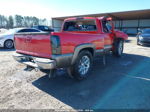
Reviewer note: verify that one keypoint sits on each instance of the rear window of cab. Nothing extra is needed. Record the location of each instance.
(80, 25)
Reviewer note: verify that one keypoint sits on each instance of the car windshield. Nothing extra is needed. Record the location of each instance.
(146, 31)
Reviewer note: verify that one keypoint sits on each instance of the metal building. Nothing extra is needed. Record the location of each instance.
(128, 21)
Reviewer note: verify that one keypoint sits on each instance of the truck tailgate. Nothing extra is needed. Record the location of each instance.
(35, 44)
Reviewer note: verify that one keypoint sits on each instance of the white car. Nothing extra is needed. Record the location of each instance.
(2, 30)
(7, 38)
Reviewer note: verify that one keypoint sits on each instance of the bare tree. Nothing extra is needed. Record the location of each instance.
(10, 22)
(3, 21)
(19, 20)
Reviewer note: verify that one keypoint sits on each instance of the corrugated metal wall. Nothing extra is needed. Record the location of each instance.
(56, 24)
(131, 26)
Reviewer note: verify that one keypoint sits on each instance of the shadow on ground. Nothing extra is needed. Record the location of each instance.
(145, 45)
(128, 41)
(86, 93)
(6, 50)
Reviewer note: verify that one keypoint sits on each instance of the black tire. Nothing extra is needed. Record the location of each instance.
(118, 47)
(9, 44)
(82, 67)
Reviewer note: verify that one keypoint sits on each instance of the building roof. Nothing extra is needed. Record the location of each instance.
(126, 15)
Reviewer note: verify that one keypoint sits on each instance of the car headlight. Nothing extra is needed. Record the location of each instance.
(140, 37)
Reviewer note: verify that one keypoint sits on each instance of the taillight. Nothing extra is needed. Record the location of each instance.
(55, 43)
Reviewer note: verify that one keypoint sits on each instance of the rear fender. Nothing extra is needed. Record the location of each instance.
(79, 48)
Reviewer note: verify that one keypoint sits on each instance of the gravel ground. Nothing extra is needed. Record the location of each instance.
(122, 83)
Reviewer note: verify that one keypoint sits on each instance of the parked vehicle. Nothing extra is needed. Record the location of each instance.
(80, 40)
(7, 38)
(143, 37)
(43, 28)
(2, 30)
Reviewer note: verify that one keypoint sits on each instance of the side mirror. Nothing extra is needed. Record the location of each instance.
(112, 24)
(139, 31)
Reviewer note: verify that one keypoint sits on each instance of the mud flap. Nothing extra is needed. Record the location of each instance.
(104, 58)
(52, 73)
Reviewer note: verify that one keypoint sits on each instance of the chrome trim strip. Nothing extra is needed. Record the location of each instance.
(41, 63)
(107, 46)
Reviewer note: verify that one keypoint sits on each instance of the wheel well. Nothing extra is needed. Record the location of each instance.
(91, 50)
(119, 38)
(8, 39)
(89, 47)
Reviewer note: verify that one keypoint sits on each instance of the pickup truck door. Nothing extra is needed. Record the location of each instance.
(108, 39)
(108, 36)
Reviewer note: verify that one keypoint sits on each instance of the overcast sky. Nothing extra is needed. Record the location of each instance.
(57, 8)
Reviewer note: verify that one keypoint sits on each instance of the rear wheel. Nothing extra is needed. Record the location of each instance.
(82, 67)
(9, 44)
(118, 47)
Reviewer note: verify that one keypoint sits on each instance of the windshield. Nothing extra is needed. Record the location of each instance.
(147, 31)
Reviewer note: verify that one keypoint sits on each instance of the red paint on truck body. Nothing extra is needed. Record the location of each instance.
(40, 45)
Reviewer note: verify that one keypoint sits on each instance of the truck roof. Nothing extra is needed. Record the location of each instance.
(80, 18)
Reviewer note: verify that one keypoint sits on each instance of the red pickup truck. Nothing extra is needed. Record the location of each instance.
(80, 40)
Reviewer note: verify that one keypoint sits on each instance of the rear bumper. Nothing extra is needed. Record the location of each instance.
(41, 63)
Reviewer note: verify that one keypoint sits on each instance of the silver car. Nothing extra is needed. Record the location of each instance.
(7, 38)
(143, 38)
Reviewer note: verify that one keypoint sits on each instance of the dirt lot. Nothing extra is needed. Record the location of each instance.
(122, 83)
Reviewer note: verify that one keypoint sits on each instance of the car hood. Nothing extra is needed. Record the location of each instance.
(6, 35)
(145, 35)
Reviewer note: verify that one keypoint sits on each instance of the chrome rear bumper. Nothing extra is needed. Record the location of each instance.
(41, 63)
